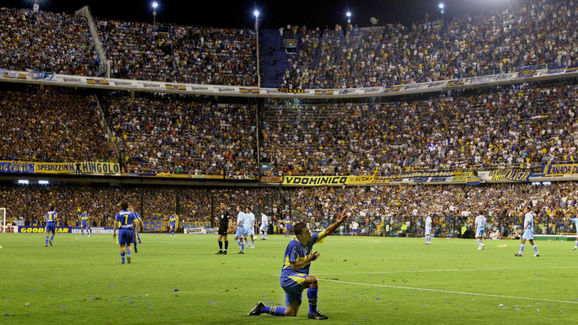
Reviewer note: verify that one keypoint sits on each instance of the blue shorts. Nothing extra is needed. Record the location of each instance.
(291, 283)
(528, 234)
(480, 233)
(250, 231)
(125, 237)
(240, 233)
(173, 225)
(84, 224)
(50, 227)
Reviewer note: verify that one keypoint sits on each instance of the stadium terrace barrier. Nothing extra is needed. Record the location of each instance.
(526, 74)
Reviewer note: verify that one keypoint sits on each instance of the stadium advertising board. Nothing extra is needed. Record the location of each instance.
(560, 170)
(16, 167)
(97, 168)
(155, 226)
(39, 229)
(9, 229)
(271, 179)
(315, 180)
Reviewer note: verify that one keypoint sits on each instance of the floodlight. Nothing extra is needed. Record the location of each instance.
(43, 182)
(256, 13)
(155, 5)
(23, 182)
(348, 14)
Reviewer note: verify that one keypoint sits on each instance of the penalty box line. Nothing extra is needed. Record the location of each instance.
(449, 291)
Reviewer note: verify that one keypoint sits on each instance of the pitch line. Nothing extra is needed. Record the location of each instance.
(449, 291)
(448, 270)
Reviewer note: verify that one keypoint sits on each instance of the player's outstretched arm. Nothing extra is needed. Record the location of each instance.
(337, 223)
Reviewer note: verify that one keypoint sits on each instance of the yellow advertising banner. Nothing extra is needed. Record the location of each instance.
(315, 180)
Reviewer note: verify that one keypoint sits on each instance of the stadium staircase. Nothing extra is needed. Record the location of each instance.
(273, 58)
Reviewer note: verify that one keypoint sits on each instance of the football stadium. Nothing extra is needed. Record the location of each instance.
(373, 171)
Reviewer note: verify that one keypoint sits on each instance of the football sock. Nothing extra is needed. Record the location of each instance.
(275, 311)
(122, 257)
(226, 244)
(238, 242)
(521, 249)
(128, 252)
(576, 245)
(312, 296)
(535, 249)
(46, 240)
(242, 246)
(52, 237)
(220, 245)
(480, 242)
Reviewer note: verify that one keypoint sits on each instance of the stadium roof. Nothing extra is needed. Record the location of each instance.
(274, 14)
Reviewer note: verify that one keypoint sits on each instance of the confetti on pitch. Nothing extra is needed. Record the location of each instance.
(500, 305)
(175, 290)
(377, 298)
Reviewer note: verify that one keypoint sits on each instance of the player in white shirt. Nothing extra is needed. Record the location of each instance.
(528, 232)
(264, 226)
(249, 226)
(480, 230)
(575, 221)
(427, 231)
(240, 232)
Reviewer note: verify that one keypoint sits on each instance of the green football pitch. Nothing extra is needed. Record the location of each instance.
(362, 280)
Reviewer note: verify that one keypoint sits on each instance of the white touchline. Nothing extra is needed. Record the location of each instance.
(451, 270)
(448, 291)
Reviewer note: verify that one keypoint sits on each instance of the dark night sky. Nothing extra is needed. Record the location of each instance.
(275, 13)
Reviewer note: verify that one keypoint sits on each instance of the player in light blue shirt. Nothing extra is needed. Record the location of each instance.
(127, 222)
(528, 232)
(480, 230)
(575, 221)
(84, 223)
(51, 217)
(240, 233)
(295, 272)
(249, 225)
(264, 226)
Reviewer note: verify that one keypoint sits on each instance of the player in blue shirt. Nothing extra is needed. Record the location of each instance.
(173, 224)
(295, 272)
(127, 222)
(84, 223)
(137, 231)
(287, 226)
(51, 217)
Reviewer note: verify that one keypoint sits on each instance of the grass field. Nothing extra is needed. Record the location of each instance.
(363, 280)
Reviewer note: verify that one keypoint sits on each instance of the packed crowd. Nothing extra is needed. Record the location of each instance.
(536, 32)
(51, 125)
(377, 211)
(183, 135)
(179, 53)
(509, 126)
(46, 41)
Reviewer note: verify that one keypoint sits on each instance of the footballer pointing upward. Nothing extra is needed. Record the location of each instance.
(295, 272)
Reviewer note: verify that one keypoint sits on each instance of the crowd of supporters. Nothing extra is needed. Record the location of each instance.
(509, 126)
(179, 53)
(378, 210)
(51, 125)
(46, 41)
(536, 32)
(183, 135)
